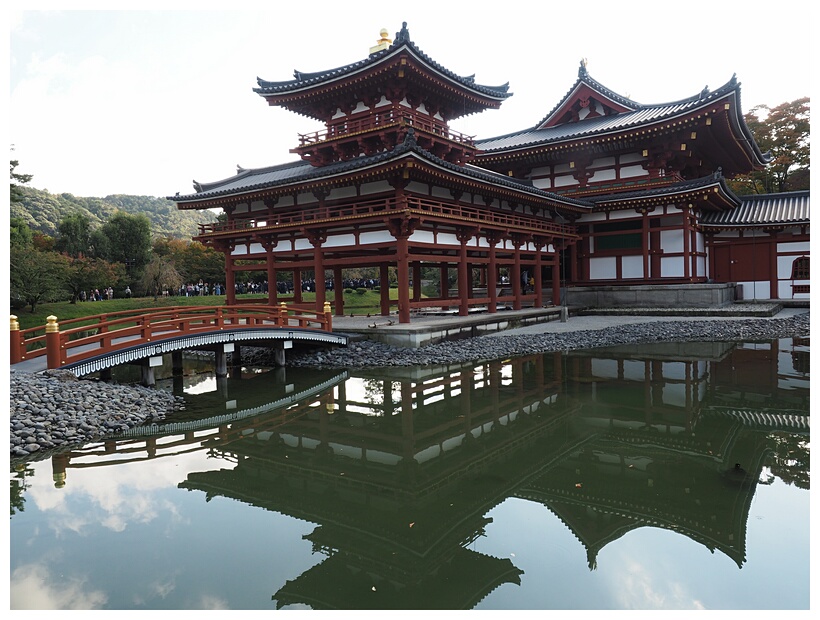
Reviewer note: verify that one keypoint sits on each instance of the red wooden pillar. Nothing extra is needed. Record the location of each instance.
(463, 273)
(338, 291)
(271, 273)
(556, 275)
(403, 267)
(773, 280)
(318, 270)
(492, 273)
(297, 286)
(516, 279)
(16, 340)
(417, 281)
(384, 287)
(230, 281)
(444, 282)
(645, 240)
(687, 243)
(539, 285)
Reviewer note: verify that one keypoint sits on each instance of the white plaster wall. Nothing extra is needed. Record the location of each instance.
(422, 236)
(602, 175)
(284, 246)
(602, 268)
(448, 239)
(342, 192)
(240, 250)
(632, 266)
(339, 240)
(672, 240)
(379, 236)
(629, 158)
(302, 244)
(377, 187)
(755, 290)
(630, 172)
(441, 192)
(565, 181)
(672, 267)
(587, 218)
(285, 201)
(256, 248)
(794, 246)
(625, 215)
(701, 266)
(385, 458)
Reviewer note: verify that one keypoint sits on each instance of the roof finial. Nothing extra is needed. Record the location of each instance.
(582, 70)
(403, 34)
(383, 43)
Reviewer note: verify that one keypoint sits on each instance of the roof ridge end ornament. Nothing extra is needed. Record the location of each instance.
(403, 35)
(582, 70)
(410, 138)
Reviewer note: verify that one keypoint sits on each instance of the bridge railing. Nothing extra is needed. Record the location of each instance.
(100, 334)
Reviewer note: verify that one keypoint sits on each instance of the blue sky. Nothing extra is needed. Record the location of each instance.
(147, 101)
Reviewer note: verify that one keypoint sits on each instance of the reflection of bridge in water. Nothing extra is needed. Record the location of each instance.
(399, 468)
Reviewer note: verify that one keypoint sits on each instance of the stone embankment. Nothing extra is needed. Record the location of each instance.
(55, 409)
(367, 353)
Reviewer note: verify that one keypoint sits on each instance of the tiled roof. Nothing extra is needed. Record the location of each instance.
(788, 208)
(263, 178)
(602, 125)
(715, 179)
(401, 42)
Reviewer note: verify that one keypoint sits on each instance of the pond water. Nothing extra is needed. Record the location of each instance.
(652, 477)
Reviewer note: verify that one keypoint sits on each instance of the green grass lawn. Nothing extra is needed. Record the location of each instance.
(355, 303)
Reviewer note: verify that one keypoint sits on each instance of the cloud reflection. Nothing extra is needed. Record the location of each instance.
(34, 587)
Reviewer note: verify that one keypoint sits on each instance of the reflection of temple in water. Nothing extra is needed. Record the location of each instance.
(399, 472)
(399, 468)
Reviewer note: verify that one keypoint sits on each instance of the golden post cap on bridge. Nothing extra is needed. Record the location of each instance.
(14, 325)
(326, 309)
(51, 324)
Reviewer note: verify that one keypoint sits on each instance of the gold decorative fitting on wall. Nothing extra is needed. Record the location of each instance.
(645, 153)
(694, 135)
(683, 147)
(708, 121)
(726, 106)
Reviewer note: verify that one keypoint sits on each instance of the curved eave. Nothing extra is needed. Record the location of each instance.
(341, 174)
(707, 192)
(769, 211)
(279, 93)
(640, 124)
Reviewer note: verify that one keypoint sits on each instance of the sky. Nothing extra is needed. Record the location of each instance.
(148, 101)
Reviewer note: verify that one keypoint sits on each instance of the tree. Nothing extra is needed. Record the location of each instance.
(783, 131)
(74, 235)
(20, 233)
(36, 277)
(14, 192)
(124, 239)
(85, 274)
(159, 275)
(193, 260)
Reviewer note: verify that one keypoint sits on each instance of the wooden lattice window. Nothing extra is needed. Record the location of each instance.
(800, 268)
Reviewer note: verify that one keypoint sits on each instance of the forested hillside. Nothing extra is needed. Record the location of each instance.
(43, 211)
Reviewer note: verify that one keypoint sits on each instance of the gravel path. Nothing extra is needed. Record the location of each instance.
(55, 409)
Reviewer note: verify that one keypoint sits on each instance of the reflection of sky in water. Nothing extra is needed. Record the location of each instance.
(126, 536)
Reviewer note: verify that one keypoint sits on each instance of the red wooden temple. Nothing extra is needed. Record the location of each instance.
(604, 191)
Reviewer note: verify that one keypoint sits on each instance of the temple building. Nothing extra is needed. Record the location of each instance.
(604, 195)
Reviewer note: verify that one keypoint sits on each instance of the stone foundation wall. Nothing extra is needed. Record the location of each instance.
(653, 296)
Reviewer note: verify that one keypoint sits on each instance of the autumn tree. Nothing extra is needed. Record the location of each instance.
(784, 132)
(160, 274)
(84, 274)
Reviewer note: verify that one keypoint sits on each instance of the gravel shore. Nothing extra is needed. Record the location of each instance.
(55, 409)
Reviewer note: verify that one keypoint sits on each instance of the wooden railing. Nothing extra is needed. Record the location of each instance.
(101, 334)
(413, 204)
(383, 120)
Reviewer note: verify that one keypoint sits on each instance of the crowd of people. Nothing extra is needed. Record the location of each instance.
(195, 289)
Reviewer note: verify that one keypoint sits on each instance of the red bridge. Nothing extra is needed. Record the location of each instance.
(98, 343)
